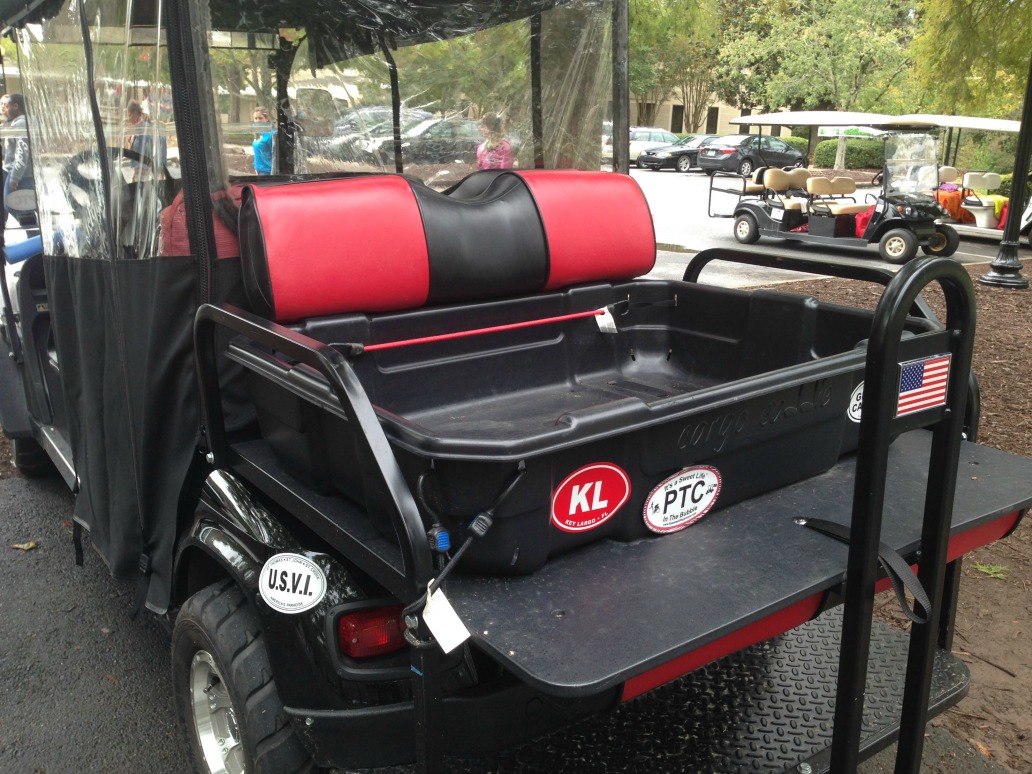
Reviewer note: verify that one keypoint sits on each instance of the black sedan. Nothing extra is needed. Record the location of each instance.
(743, 153)
(682, 155)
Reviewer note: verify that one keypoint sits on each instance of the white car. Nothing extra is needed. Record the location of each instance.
(641, 138)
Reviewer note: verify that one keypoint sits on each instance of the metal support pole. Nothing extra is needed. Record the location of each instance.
(621, 88)
(1006, 268)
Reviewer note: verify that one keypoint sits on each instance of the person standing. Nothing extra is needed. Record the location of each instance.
(17, 159)
(262, 144)
(5, 100)
(495, 152)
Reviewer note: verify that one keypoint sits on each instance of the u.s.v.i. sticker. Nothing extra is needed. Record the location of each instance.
(292, 583)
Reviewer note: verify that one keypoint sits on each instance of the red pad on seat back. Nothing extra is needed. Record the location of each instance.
(324, 247)
(597, 224)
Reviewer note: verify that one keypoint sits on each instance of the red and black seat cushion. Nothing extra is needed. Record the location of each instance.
(383, 243)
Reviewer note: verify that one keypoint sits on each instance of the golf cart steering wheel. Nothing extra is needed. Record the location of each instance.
(82, 169)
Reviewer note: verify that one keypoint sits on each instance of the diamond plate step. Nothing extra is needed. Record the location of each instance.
(767, 708)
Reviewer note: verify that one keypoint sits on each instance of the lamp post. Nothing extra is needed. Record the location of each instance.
(1006, 268)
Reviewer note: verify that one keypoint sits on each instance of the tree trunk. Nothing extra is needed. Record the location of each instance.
(840, 153)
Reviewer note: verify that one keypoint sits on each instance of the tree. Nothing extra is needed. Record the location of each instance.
(658, 29)
(817, 54)
(974, 54)
(689, 59)
(746, 59)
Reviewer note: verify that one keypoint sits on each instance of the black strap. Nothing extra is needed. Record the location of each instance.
(77, 542)
(900, 575)
(142, 586)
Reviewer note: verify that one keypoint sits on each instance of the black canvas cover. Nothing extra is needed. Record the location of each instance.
(124, 339)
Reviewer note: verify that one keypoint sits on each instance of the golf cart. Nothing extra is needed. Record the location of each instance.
(414, 463)
(793, 204)
(968, 213)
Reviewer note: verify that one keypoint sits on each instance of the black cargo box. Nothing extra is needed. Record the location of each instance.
(833, 225)
(702, 397)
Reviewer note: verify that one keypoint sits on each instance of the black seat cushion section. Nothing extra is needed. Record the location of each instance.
(257, 282)
(473, 185)
(489, 246)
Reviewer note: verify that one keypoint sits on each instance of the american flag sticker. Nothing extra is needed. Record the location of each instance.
(922, 384)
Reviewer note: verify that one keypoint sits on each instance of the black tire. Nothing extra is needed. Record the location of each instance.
(684, 163)
(709, 172)
(898, 245)
(637, 163)
(31, 459)
(745, 229)
(745, 167)
(217, 643)
(800, 163)
(943, 243)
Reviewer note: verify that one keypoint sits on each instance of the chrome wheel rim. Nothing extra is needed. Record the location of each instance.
(214, 717)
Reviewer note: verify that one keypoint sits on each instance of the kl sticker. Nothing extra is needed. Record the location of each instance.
(682, 500)
(292, 583)
(589, 497)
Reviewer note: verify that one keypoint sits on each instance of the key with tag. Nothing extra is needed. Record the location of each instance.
(443, 622)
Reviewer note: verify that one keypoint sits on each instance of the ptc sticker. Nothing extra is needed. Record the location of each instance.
(682, 499)
(856, 403)
(291, 583)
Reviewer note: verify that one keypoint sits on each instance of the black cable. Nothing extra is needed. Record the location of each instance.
(478, 528)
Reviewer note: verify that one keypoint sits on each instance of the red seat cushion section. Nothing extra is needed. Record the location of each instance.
(597, 224)
(349, 245)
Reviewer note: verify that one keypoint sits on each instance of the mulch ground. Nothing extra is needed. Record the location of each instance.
(995, 610)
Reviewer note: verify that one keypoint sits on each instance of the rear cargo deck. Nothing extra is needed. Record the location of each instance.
(637, 606)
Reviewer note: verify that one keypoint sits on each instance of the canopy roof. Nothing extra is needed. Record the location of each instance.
(881, 120)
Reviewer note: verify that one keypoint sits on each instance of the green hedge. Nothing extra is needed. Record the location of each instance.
(860, 154)
(801, 144)
(1005, 184)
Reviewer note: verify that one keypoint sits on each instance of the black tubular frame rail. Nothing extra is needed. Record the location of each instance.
(879, 424)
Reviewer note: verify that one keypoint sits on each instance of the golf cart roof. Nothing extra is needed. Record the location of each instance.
(879, 120)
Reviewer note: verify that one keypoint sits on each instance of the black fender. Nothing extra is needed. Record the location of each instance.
(759, 210)
(232, 535)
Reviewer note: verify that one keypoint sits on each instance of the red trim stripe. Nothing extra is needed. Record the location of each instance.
(795, 615)
(771, 626)
(481, 331)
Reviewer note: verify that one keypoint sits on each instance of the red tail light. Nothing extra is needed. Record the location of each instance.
(728, 151)
(371, 632)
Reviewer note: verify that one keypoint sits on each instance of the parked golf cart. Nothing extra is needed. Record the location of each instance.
(899, 218)
(419, 468)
